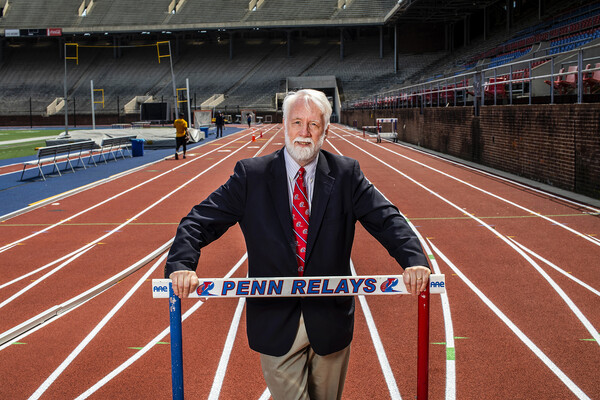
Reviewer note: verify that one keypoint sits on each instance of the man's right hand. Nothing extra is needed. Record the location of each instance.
(184, 283)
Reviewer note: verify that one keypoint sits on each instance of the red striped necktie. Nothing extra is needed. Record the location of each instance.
(300, 214)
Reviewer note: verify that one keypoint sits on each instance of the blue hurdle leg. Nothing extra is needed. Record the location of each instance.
(176, 345)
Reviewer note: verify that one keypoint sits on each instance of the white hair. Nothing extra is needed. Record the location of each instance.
(315, 97)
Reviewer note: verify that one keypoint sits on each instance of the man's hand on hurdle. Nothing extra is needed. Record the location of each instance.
(416, 279)
(184, 283)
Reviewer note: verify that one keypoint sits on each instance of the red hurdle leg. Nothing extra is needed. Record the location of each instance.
(423, 347)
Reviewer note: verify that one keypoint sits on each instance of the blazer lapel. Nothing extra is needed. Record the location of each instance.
(322, 190)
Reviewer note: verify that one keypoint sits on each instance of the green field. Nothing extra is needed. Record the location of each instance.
(14, 150)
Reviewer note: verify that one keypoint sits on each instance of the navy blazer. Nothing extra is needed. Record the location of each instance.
(256, 196)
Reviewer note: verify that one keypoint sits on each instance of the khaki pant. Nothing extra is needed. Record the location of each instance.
(302, 374)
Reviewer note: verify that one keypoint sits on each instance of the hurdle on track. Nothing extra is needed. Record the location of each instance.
(299, 287)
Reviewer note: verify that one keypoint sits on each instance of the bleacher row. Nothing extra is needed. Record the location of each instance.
(558, 28)
(525, 53)
(251, 78)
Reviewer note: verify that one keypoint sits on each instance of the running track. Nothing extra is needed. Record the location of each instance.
(519, 320)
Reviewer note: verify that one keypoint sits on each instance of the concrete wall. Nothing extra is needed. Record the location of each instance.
(557, 145)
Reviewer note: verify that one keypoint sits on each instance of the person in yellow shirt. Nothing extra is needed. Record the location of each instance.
(180, 135)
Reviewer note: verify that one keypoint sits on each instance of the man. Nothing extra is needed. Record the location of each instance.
(219, 122)
(296, 228)
(181, 131)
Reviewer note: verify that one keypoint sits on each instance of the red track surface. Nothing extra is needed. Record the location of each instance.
(551, 357)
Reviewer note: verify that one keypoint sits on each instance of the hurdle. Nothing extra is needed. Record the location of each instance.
(299, 287)
(393, 134)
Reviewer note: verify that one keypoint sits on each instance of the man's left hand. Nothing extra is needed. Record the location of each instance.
(416, 279)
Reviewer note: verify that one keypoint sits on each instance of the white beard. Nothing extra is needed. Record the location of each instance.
(302, 154)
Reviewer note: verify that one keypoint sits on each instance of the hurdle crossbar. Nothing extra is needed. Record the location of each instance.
(299, 287)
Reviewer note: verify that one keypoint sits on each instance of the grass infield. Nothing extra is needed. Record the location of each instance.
(15, 150)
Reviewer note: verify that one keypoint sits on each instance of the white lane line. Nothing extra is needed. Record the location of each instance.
(484, 172)
(266, 395)
(150, 344)
(584, 321)
(47, 275)
(536, 350)
(68, 219)
(53, 313)
(118, 228)
(448, 326)
(554, 266)
(215, 390)
(584, 236)
(83, 344)
(388, 374)
(510, 243)
(499, 177)
(482, 223)
(383, 361)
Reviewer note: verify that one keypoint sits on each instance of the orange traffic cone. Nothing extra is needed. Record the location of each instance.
(260, 134)
(253, 138)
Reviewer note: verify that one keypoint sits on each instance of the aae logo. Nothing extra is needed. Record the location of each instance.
(389, 285)
(160, 289)
(437, 284)
(204, 289)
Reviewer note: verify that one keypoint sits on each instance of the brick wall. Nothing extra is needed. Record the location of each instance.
(555, 144)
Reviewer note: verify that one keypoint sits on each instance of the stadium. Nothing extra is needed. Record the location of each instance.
(479, 121)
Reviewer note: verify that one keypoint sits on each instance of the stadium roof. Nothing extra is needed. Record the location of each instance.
(436, 10)
(99, 16)
(74, 16)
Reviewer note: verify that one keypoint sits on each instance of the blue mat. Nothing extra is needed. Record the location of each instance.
(16, 194)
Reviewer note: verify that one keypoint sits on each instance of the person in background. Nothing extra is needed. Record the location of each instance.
(181, 134)
(219, 122)
(297, 209)
(249, 120)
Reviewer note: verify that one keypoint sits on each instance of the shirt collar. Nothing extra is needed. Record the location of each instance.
(292, 166)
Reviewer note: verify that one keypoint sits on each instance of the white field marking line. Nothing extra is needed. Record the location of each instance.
(539, 353)
(379, 350)
(448, 326)
(489, 228)
(266, 395)
(146, 209)
(586, 323)
(578, 281)
(495, 176)
(217, 385)
(47, 275)
(54, 312)
(499, 177)
(268, 141)
(162, 335)
(152, 342)
(83, 344)
(388, 374)
(215, 390)
(5, 247)
(584, 236)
